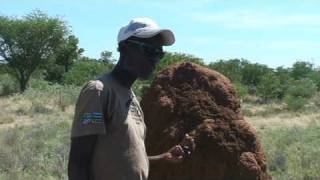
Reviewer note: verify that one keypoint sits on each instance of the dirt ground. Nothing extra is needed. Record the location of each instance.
(188, 98)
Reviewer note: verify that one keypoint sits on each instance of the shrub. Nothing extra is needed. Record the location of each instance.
(242, 90)
(8, 85)
(295, 103)
(230, 68)
(304, 88)
(315, 77)
(269, 87)
(301, 69)
(299, 92)
(85, 70)
(54, 73)
(253, 73)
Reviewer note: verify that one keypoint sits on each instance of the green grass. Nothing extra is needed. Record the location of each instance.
(293, 153)
(35, 152)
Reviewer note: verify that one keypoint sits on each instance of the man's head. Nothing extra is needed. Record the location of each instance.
(140, 46)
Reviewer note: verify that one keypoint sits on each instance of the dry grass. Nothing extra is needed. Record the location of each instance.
(275, 115)
(21, 110)
(35, 129)
(284, 120)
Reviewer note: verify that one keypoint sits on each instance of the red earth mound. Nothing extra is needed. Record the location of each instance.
(188, 98)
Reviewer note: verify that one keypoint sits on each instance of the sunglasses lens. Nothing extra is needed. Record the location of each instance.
(149, 49)
(154, 52)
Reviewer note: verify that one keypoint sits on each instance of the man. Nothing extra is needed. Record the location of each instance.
(108, 130)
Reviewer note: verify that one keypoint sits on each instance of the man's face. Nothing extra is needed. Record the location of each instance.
(143, 55)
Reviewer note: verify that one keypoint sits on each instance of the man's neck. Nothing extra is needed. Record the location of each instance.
(123, 76)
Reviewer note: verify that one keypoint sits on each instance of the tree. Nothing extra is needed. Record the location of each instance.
(253, 73)
(68, 52)
(29, 42)
(85, 69)
(106, 57)
(285, 80)
(231, 68)
(299, 92)
(301, 69)
(172, 58)
(315, 77)
(269, 87)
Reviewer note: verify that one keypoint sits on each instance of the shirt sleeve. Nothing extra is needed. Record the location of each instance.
(89, 116)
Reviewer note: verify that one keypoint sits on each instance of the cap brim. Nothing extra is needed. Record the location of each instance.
(166, 34)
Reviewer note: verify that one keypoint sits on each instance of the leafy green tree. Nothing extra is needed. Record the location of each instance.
(84, 70)
(285, 79)
(315, 77)
(172, 58)
(28, 42)
(242, 90)
(299, 92)
(61, 62)
(301, 69)
(53, 72)
(68, 52)
(230, 68)
(106, 57)
(252, 75)
(269, 87)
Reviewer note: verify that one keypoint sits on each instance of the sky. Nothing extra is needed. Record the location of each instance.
(271, 32)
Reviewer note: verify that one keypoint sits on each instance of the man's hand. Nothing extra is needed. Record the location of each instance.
(175, 154)
(181, 151)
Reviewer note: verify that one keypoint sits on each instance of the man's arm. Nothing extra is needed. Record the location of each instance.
(80, 157)
(175, 154)
(178, 152)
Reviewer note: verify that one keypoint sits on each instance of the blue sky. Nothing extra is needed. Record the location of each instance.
(275, 33)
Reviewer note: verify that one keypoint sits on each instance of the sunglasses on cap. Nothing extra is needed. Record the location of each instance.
(148, 49)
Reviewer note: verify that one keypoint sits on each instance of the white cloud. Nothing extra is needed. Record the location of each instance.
(255, 19)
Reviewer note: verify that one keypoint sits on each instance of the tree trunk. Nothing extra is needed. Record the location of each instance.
(23, 85)
(23, 81)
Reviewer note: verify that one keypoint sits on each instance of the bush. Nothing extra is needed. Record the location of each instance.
(253, 73)
(54, 73)
(84, 70)
(304, 88)
(315, 77)
(230, 68)
(284, 76)
(295, 103)
(242, 90)
(299, 92)
(269, 87)
(301, 69)
(8, 85)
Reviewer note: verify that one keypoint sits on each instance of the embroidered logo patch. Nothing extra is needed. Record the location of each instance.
(91, 118)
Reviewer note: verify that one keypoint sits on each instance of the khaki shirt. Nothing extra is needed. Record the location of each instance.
(112, 111)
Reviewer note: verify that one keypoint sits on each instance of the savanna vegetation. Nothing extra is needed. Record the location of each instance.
(42, 69)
